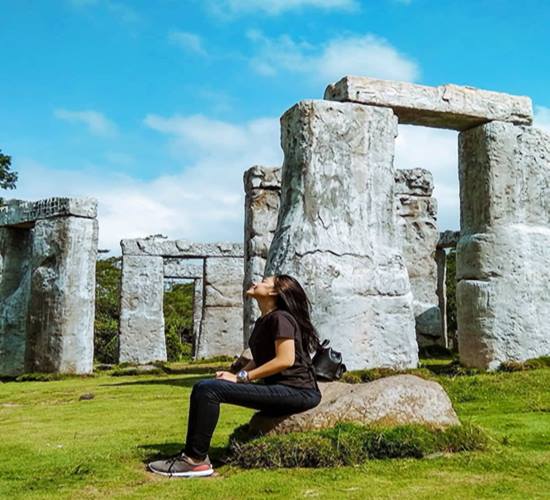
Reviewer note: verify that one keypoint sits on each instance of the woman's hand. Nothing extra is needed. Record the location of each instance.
(230, 377)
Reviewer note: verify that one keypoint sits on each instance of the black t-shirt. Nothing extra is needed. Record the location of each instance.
(280, 324)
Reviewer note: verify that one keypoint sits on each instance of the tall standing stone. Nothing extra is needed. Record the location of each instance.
(504, 249)
(61, 314)
(48, 252)
(221, 329)
(15, 281)
(141, 310)
(417, 223)
(262, 187)
(337, 234)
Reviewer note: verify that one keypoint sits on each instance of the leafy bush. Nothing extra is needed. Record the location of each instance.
(350, 444)
(178, 321)
(530, 364)
(108, 273)
(370, 374)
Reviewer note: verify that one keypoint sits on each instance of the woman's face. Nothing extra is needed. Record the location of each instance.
(262, 288)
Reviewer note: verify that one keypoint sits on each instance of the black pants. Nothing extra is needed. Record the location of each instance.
(204, 410)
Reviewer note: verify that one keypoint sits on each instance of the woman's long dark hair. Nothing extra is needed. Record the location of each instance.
(292, 298)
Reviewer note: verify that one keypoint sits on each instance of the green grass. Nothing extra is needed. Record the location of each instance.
(53, 445)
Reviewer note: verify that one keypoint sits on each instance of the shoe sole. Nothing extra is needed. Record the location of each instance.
(201, 473)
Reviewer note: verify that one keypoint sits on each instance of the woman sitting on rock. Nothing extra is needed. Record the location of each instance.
(280, 343)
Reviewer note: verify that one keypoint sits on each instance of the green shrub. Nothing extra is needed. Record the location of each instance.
(530, 364)
(107, 306)
(350, 444)
(370, 374)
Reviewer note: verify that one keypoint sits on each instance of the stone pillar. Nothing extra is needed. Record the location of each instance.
(62, 304)
(15, 280)
(503, 252)
(221, 329)
(262, 187)
(337, 233)
(198, 310)
(141, 311)
(417, 222)
(441, 262)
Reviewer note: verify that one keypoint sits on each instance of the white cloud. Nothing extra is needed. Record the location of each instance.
(204, 201)
(366, 55)
(542, 118)
(188, 41)
(275, 7)
(437, 151)
(97, 123)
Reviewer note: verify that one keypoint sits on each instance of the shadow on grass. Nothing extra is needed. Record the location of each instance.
(217, 454)
(178, 382)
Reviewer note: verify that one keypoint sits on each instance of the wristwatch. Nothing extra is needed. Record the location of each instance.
(242, 377)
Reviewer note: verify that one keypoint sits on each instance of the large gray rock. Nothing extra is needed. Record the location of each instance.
(396, 400)
(221, 329)
(60, 335)
(15, 289)
(337, 233)
(262, 199)
(141, 310)
(417, 223)
(447, 106)
(504, 249)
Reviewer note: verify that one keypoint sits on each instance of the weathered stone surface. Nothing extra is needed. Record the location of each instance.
(19, 212)
(184, 268)
(141, 310)
(417, 223)
(414, 182)
(448, 239)
(396, 400)
(198, 309)
(447, 106)
(337, 234)
(262, 199)
(441, 262)
(221, 332)
(260, 177)
(503, 252)
(60, 324)
(15, 288)
(221, 329)
(180, 248)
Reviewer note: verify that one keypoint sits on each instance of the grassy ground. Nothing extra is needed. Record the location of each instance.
(54, 445)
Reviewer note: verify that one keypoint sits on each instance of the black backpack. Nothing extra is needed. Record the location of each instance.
(327, 362)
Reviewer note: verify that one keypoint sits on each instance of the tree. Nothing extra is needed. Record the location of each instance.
(7, 177)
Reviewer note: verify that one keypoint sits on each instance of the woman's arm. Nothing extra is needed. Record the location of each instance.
(250, 365)
(284, 358)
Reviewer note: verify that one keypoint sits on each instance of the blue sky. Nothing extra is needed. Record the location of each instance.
(157, 108)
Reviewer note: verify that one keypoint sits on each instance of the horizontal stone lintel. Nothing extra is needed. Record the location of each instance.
(21, 213)
(180, 248)
(447, 106)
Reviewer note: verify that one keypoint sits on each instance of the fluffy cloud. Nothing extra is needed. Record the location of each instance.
(188, 41)
(358, 55)
(204, 201)
(97, 123)
(437, 151)
(274, 7)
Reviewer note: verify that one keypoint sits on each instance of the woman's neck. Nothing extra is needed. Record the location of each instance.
(267, 308)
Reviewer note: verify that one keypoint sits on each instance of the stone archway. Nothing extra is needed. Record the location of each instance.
(336, 227)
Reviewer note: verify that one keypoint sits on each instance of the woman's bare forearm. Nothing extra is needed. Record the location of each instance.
(250, 365)
(272, 367)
